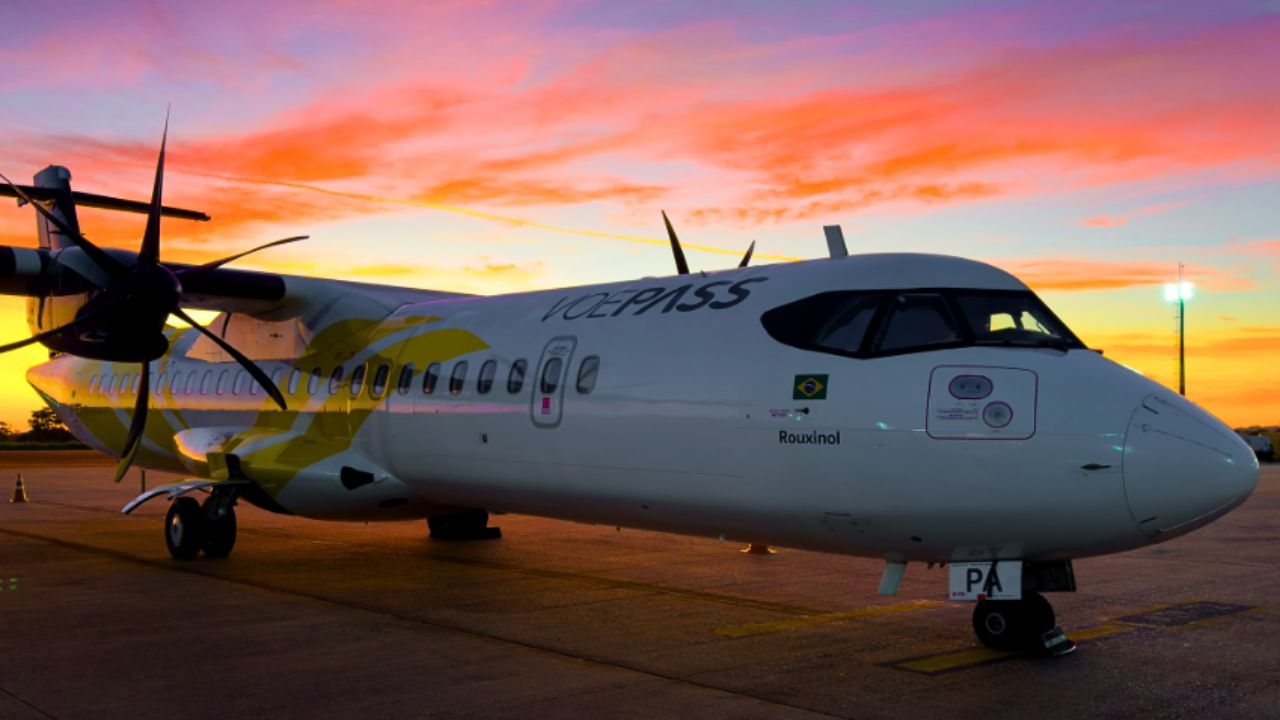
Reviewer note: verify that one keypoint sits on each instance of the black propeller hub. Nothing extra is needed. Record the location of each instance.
(151, 289)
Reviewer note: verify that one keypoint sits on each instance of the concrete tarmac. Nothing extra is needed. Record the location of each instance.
(327, 620)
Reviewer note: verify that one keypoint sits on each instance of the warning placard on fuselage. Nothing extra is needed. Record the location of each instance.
(986, 580)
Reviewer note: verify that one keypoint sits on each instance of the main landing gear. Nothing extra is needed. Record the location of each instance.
(190, 528)
(463, 525)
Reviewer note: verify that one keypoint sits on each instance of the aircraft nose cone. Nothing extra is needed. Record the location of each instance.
(1182, 467)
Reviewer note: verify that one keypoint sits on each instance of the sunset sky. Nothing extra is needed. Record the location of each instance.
(1088, 147)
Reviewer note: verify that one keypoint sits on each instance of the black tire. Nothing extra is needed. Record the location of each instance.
(1039, 616)
(220, 534)
(457, 526)
(999, 624)
(1013, 624)
(184, 529)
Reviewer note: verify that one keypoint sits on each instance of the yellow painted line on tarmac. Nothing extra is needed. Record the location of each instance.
(964, 659)
(1100, 631)
(765, 628)
(954, 660)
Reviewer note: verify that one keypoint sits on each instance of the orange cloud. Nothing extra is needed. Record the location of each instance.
(1104, 221)
(769, 150)
(1108, 221)
(1081, 274)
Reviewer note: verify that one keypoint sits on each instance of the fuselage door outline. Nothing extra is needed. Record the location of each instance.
(546, 407)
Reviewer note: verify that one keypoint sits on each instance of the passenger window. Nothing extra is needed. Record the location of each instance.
(190, 387)
(551, 376)
(295, 376)
(124, 384)
(252, 384)
(276, 375)
(380, 380)
(587, 373)
(458, 378)
(406, 379)
(206, 382)
(430, 378)
(917, 320)
(484, 383)
(175, 385)
(335, 380)
(313, 382)
(515, 379)
(158, 383)
(221, 387)
(93, 384)
(357, 380)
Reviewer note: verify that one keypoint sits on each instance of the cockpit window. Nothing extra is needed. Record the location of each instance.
(834, 322)
(848, 326)
(917, 320)
(869, 324)
(1013, 319)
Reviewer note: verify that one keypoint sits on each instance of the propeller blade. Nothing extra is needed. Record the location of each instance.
(133, 440)
(682, 267)
(254, 371)
(109, 264)
(150, 252)
(746, 259)
(219, 263)
(41, 337)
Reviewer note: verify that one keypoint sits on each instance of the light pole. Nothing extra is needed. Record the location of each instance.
(1181, 293)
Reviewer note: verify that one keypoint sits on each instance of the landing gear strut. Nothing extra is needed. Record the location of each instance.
(219, 523)
(1020, 625)
(464, 525)
(190, 527)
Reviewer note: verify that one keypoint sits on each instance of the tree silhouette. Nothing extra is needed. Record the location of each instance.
(47, 427)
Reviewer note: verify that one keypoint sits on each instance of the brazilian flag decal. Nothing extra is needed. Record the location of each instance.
(809, 387)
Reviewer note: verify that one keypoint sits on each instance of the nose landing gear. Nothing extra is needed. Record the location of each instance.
(1021, 625)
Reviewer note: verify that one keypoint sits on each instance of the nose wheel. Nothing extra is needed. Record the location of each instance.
(1020, 625)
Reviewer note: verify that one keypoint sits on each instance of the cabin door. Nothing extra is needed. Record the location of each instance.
(547, 405)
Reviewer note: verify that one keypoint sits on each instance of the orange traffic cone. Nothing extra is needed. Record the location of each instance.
(758, 549)
(19, 492)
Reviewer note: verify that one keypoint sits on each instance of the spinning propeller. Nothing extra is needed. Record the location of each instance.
(136, 299)
(682, 267)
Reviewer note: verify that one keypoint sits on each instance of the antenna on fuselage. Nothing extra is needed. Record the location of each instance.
(682, 267)
(835, 241)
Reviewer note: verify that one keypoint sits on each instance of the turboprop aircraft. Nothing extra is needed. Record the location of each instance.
(894, 406)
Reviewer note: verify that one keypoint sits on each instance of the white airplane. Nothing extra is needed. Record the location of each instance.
(901, 407)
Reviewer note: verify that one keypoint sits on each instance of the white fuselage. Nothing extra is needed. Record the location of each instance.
(695, 424)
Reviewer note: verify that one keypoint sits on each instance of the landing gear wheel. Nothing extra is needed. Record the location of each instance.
(465, 525)
(184, 529)
(1013, 624)
(219, 533)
